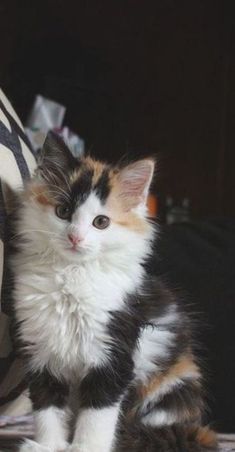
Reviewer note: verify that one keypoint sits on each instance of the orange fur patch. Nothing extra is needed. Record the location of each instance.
(90, 164)
(206, 437)
(41, 195)
(127, 219)
(120, 208)
(184, 366)
(97, 167)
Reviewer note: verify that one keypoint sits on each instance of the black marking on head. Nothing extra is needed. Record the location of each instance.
(81, 188)
(102, 186)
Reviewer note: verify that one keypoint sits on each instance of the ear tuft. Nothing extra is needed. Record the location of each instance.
(55, 154)
(135, 180)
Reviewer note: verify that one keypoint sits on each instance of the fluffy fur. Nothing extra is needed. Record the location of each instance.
(92, 321)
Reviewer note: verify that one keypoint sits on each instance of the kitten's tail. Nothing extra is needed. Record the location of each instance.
(139, 438)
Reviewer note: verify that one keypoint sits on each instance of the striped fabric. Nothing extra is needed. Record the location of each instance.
(17, 162)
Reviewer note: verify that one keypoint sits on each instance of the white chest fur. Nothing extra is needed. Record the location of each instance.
(65, 310)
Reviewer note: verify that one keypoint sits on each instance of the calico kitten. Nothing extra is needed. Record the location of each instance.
(93, 321)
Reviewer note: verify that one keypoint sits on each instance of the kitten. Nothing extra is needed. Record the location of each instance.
(92, 319)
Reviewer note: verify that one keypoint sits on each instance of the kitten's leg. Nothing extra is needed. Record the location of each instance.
(49, 398)
(101, 393)
(51, 429)
(95, 429)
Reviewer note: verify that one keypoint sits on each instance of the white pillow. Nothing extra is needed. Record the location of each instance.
(17, 162)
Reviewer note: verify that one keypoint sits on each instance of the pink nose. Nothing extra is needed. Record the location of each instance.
(74, 239)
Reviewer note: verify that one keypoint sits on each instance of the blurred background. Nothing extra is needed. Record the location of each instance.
(143, 78)
(152, 77)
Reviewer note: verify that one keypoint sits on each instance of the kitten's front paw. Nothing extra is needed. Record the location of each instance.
(32, 446)
(75, 447)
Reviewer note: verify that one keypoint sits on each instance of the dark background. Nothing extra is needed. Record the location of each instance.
(149, 77)
(136, 76)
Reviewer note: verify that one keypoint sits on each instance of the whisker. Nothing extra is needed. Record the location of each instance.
(55, 185)
(54, 192)
(61, 191)
(50, 175)
(34, 230)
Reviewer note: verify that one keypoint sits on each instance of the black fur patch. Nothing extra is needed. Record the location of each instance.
(102, 186)
(105, 385)
(136, 437)
(56, 156)
(46, 390)
(81, 189)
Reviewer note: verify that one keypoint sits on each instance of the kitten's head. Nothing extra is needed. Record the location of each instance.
(85, 208)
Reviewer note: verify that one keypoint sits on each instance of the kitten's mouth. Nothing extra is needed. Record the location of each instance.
(77, 249)
(73, 249)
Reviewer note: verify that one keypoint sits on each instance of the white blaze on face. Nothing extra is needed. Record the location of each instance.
(82, 221)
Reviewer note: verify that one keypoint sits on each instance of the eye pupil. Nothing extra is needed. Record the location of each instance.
(101, 222)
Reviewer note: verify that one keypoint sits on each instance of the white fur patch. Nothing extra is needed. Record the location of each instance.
(32, 446)
(154, 344)
(159, 418)
(95, 431)
(51, 428)
(63, 317)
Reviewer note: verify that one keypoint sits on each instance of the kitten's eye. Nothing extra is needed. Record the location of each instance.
(101, 222)
(63, 211)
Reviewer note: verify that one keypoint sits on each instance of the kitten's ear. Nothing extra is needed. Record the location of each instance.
(55, 155)
(135, 180)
